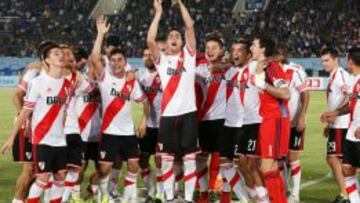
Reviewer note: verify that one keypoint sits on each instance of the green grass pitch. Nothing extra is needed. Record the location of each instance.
(313, 159)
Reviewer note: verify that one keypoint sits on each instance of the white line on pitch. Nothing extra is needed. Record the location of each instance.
(316, 181)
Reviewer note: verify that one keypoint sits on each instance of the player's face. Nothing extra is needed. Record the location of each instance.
(239, 54)
(349, 64)
(69, 58)
(256, 50)
(56, 58)
(147, 59)
(118, 63)
(174, 41)
(213, 51)
(328, 62)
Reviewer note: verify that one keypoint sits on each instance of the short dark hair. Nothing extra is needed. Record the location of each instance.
(112, 40)
(354, 55)
(46, 50)
(176, 29)
(118, 51)
(245, 42)
(215, 37)
(268, 43)
(43, 45)
(329, 50)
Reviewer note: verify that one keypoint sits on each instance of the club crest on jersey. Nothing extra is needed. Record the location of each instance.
(102, 154)
(120, 94)
(41, 165)
(48, 89)
(28, 155)
(175, 72)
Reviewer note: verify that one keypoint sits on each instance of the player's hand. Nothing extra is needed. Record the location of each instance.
(357, 133)
(259, 80)
(326, 131)
(158, 6)
(27, 128)
(328, 117)
(102, 25)
(6, 147)
(300, 126)
(142, 128)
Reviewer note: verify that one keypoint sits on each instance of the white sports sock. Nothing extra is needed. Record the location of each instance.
(179, 175)
(296, 178)
(47, 193)
(202, 173)
(225, 186)
(35, 192)
(351, 189)
(229, 172)
(70, 181)
(159, 183)
(17, 201)
(263, 196)
(129, 186)
(148, 178)
(251, 192)
(189, 176)
(103, 184)
(114, 180)
(57, 191)
(168, 176)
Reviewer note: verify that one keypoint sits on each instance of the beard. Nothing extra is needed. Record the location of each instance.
(149, 64)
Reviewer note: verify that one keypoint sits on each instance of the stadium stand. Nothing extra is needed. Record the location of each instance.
(23, 24)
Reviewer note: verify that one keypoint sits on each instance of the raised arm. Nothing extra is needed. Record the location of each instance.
(153, 31)
(189, 26)
(95, 57)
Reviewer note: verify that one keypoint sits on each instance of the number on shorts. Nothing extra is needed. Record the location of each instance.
(331, 146)
(297, 141)
(251, 145)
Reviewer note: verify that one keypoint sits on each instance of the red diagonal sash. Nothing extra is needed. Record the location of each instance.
(45, 124)
(86, 115)
(172, 85)
(354, 99)
(243, 81)
(116, 105)
(210, 96)
(229, 90)
(154, 86)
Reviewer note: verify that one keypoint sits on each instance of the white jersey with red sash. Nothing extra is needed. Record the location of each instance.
(47, 96)
(87, 109)
(177, 74)
(234, 112)
(336, 92)
(213, 90)
(354, 92)
(296, 76)
(250, 94)
(151, 85)
(116, 95)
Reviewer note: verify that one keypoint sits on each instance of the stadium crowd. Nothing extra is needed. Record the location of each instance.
(305, 27)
